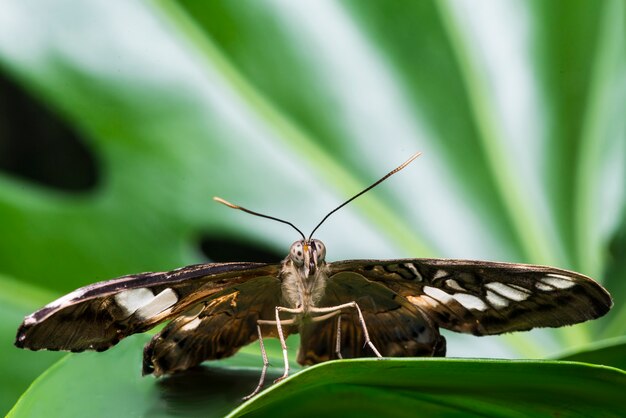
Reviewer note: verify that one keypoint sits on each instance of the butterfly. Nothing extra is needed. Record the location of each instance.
(343, 309)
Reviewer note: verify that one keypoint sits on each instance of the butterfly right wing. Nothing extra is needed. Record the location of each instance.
(487, 298)
(97, 316)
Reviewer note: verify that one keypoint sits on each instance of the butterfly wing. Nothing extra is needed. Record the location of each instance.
(214, 328)
(97, 316)
(396, 327)
(485, 298)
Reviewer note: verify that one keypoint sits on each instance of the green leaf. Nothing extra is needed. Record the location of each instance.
(109, 384)
(446, 387)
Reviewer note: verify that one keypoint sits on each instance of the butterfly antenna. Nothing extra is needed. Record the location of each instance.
(385, 177)
(251, 212)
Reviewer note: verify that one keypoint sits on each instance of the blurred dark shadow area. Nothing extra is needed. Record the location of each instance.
(37, 146)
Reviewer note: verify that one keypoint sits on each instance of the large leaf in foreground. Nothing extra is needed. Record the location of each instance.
(109, 384)
(446, 387)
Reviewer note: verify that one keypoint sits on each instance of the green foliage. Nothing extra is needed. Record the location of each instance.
(288, 108)
(609, 352)
(366, 388)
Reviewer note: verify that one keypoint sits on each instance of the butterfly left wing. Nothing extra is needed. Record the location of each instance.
(97, 316)
(485, 298)
(215, 328)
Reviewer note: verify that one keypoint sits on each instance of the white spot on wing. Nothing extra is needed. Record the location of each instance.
(423, 300)
(544, 287)
(158, 304)
(417, 274)
(507, 291)
(455, 285)
(558, 281)
(438, 294)
(191, 325)
(439, 274)
(496, 300)
(470, 301)
(560, 276)
(133, 299)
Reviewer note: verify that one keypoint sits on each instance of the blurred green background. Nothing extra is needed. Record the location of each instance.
(119, 120)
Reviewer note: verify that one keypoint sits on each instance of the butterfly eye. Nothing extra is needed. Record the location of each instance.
(297, 253)
(320, 249)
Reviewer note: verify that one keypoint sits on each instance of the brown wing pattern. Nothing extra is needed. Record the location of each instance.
(215, 328)
(485, 298)
(396, 327)
(97, 316)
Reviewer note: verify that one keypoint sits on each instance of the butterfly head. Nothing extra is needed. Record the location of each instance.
(308, 255)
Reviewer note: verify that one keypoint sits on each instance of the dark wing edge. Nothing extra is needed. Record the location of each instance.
(487, 298)
(98, 316)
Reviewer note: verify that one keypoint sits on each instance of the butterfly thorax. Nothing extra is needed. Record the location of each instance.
(304, 274)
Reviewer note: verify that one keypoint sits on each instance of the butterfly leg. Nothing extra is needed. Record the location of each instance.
(338, 346)
(266, 364)
(281, 335)
(353, 305)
